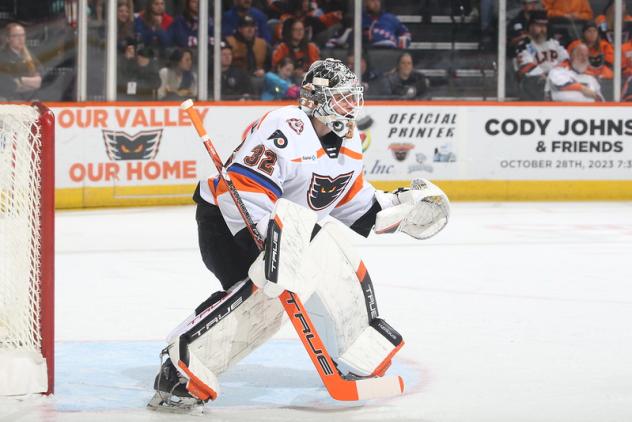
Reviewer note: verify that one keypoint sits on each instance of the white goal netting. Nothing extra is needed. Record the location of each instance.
(20, 179)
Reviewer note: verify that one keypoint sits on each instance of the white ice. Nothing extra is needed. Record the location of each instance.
(515, 312)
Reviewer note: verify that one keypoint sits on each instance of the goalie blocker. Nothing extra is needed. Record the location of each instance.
(320, 266)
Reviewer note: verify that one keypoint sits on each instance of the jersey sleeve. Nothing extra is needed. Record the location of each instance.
(258, 168)
(526, 63)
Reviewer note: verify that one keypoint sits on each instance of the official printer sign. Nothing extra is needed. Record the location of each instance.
(551, 143)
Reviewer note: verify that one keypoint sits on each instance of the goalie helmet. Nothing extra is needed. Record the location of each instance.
(332, 93)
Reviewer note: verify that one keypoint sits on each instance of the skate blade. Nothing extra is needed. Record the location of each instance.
(161, 402)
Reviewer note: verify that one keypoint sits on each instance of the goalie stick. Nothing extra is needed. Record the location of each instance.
(339, 388)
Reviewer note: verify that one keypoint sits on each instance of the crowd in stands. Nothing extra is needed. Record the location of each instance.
(268, 45)
(563, 52)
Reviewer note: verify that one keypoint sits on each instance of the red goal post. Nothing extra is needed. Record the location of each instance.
(27, 259)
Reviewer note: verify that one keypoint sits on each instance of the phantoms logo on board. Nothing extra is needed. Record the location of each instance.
(143, 145)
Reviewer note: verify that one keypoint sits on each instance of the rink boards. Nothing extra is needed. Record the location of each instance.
(117, 154)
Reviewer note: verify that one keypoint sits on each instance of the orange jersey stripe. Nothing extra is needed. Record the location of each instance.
(572, 87)
(355, 188)
(262, 119)
(351, 153)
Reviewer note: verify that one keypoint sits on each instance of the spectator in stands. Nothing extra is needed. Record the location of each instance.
(277, 84)
(381, 29)
(124, 23)
(404, 82)
(184, 30)
(138, 77)
(296, 46)
(569, 9)
(601, 53)
(368, 76)
(517, 31)
(178, 81)
(20, 72)
(235, 82)
(626, 50)
(319, 25)
(230, 20)
(605, 21)
(574, 84)
(127, 58)
(626, 92)
(567, 17)
(152, 26)
(536, 57)
(250, 53)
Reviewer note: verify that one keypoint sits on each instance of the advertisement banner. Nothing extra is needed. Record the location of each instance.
(118, 154)
(498, 143)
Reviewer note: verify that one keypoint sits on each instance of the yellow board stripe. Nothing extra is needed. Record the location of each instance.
(528, 190)
(457, 190)
(124, 196)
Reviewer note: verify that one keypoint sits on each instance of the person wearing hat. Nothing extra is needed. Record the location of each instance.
(537, 55)
(138, 78)
(235, 83)
(230, 19)
(250, 53)
(517, 28)
(601, 53)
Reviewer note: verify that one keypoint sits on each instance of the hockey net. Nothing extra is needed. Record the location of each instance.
(26, 249)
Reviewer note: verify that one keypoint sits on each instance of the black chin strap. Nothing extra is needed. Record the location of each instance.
(331, 144)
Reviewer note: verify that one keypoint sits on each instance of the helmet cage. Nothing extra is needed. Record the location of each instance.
(336, 106)
(344, 102)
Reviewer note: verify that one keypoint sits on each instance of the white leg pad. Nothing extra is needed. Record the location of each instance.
(224, 333)
(343, 307)
(370, 353)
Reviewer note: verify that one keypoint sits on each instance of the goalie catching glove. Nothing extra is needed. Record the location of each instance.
(420, 211)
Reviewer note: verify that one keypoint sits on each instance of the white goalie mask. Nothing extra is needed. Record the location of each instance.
(331, 92)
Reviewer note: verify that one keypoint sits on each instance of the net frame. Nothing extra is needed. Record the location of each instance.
(28, 147)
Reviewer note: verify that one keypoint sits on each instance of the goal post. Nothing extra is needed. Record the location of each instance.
(27, 201)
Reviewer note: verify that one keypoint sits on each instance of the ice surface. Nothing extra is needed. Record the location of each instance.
(515, 312)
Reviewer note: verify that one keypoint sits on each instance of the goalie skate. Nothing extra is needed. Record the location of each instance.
(171, 393)
(165, 402)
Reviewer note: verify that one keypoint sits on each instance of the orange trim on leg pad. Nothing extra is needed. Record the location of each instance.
(361, 271)
(386, 363)
(196, 387)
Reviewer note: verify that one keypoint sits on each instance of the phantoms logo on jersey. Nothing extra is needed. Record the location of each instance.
(141, 146)
(324, 190)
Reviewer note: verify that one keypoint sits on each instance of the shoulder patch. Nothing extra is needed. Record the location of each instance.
(279, 139)
(296, 125)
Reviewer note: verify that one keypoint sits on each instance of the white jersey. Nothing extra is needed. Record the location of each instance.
(282, 157)
(565, 85)
(539, 59)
